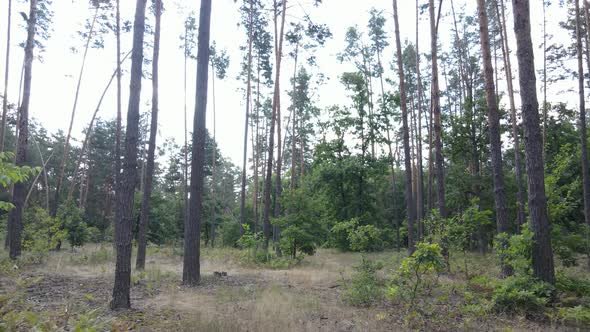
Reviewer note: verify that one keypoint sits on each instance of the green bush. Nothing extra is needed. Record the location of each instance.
(339, 234)
(349, 236)
(522, 294)
(41, 232)
(365, 238)
(515, 250)
(578, 315)
(572, 285)
(229, 232)
(74, 224)
(364, 289)
(418, 272)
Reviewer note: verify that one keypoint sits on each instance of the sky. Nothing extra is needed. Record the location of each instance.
(55, 78)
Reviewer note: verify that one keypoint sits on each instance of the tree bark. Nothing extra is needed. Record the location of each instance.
(15, 217)
(149, 176)
(542, 254)
(494, 128)
(420, 184)
(6, 75)
(275, 104)
(191, 274)
(406, 133)
(439, 161)
(520, 199)
(117, 172)
(246, 124)
(213, 163)
(583, 132)
(126, 185)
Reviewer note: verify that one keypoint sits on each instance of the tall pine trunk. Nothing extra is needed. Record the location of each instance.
(191, 273)
(439, 161)
(15, 218)
(117, 172)
(213, 163)
(406, 133)
(420, 184)
(6, 75)
(126, 185)
(149, 176)
(275, 105)
(494, 127)
(520, 199)
(542, 254)
(583, 132)
(246, 124)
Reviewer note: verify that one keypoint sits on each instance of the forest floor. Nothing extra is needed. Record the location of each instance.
(70, 290)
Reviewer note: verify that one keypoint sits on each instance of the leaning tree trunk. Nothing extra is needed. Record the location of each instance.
(406, 133)
(149, 176)
(248, 92)
(191, 274)
(494, 128)
(439, 161)
(6, 75)
(126, 185)
(86, 141)
(62, 166)
(15, 218)
(542, 254)
(520, 199)
(583, 132)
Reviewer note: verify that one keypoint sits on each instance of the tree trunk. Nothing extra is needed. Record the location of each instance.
(6, 75)
(149, 177)
(246, 124)
(126, 187)
(213, 162)
(494, 127)
(279, 184)
(64, 159)
(275, 105)
(542, 254)
(583, 132)
(520, 200)
(420, 185)
(406, 133)
(117, 172)
(192, 269)
(439, 161)
(15, 217)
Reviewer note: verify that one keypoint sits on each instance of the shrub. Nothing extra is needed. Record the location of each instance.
(349, 236)
(575, 286)
(339, 234)
(41, 231)
(417, 271)
(74, 224)
(364, 288)
(365, 238)
(578, 315)
(522, 294)
(230, 233)
(515, 250)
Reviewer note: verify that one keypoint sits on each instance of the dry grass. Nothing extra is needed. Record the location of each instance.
(305, 297)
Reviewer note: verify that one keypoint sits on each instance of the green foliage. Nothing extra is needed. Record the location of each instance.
(568, 284)
(417, 272)
(300, 227)
(522, 294)
(515, 250)
(41, 232)
(11, 174)
(350, 236)
(77, 230)
(230, 233)
(579, 316)
(365, 288)
(365, 238)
